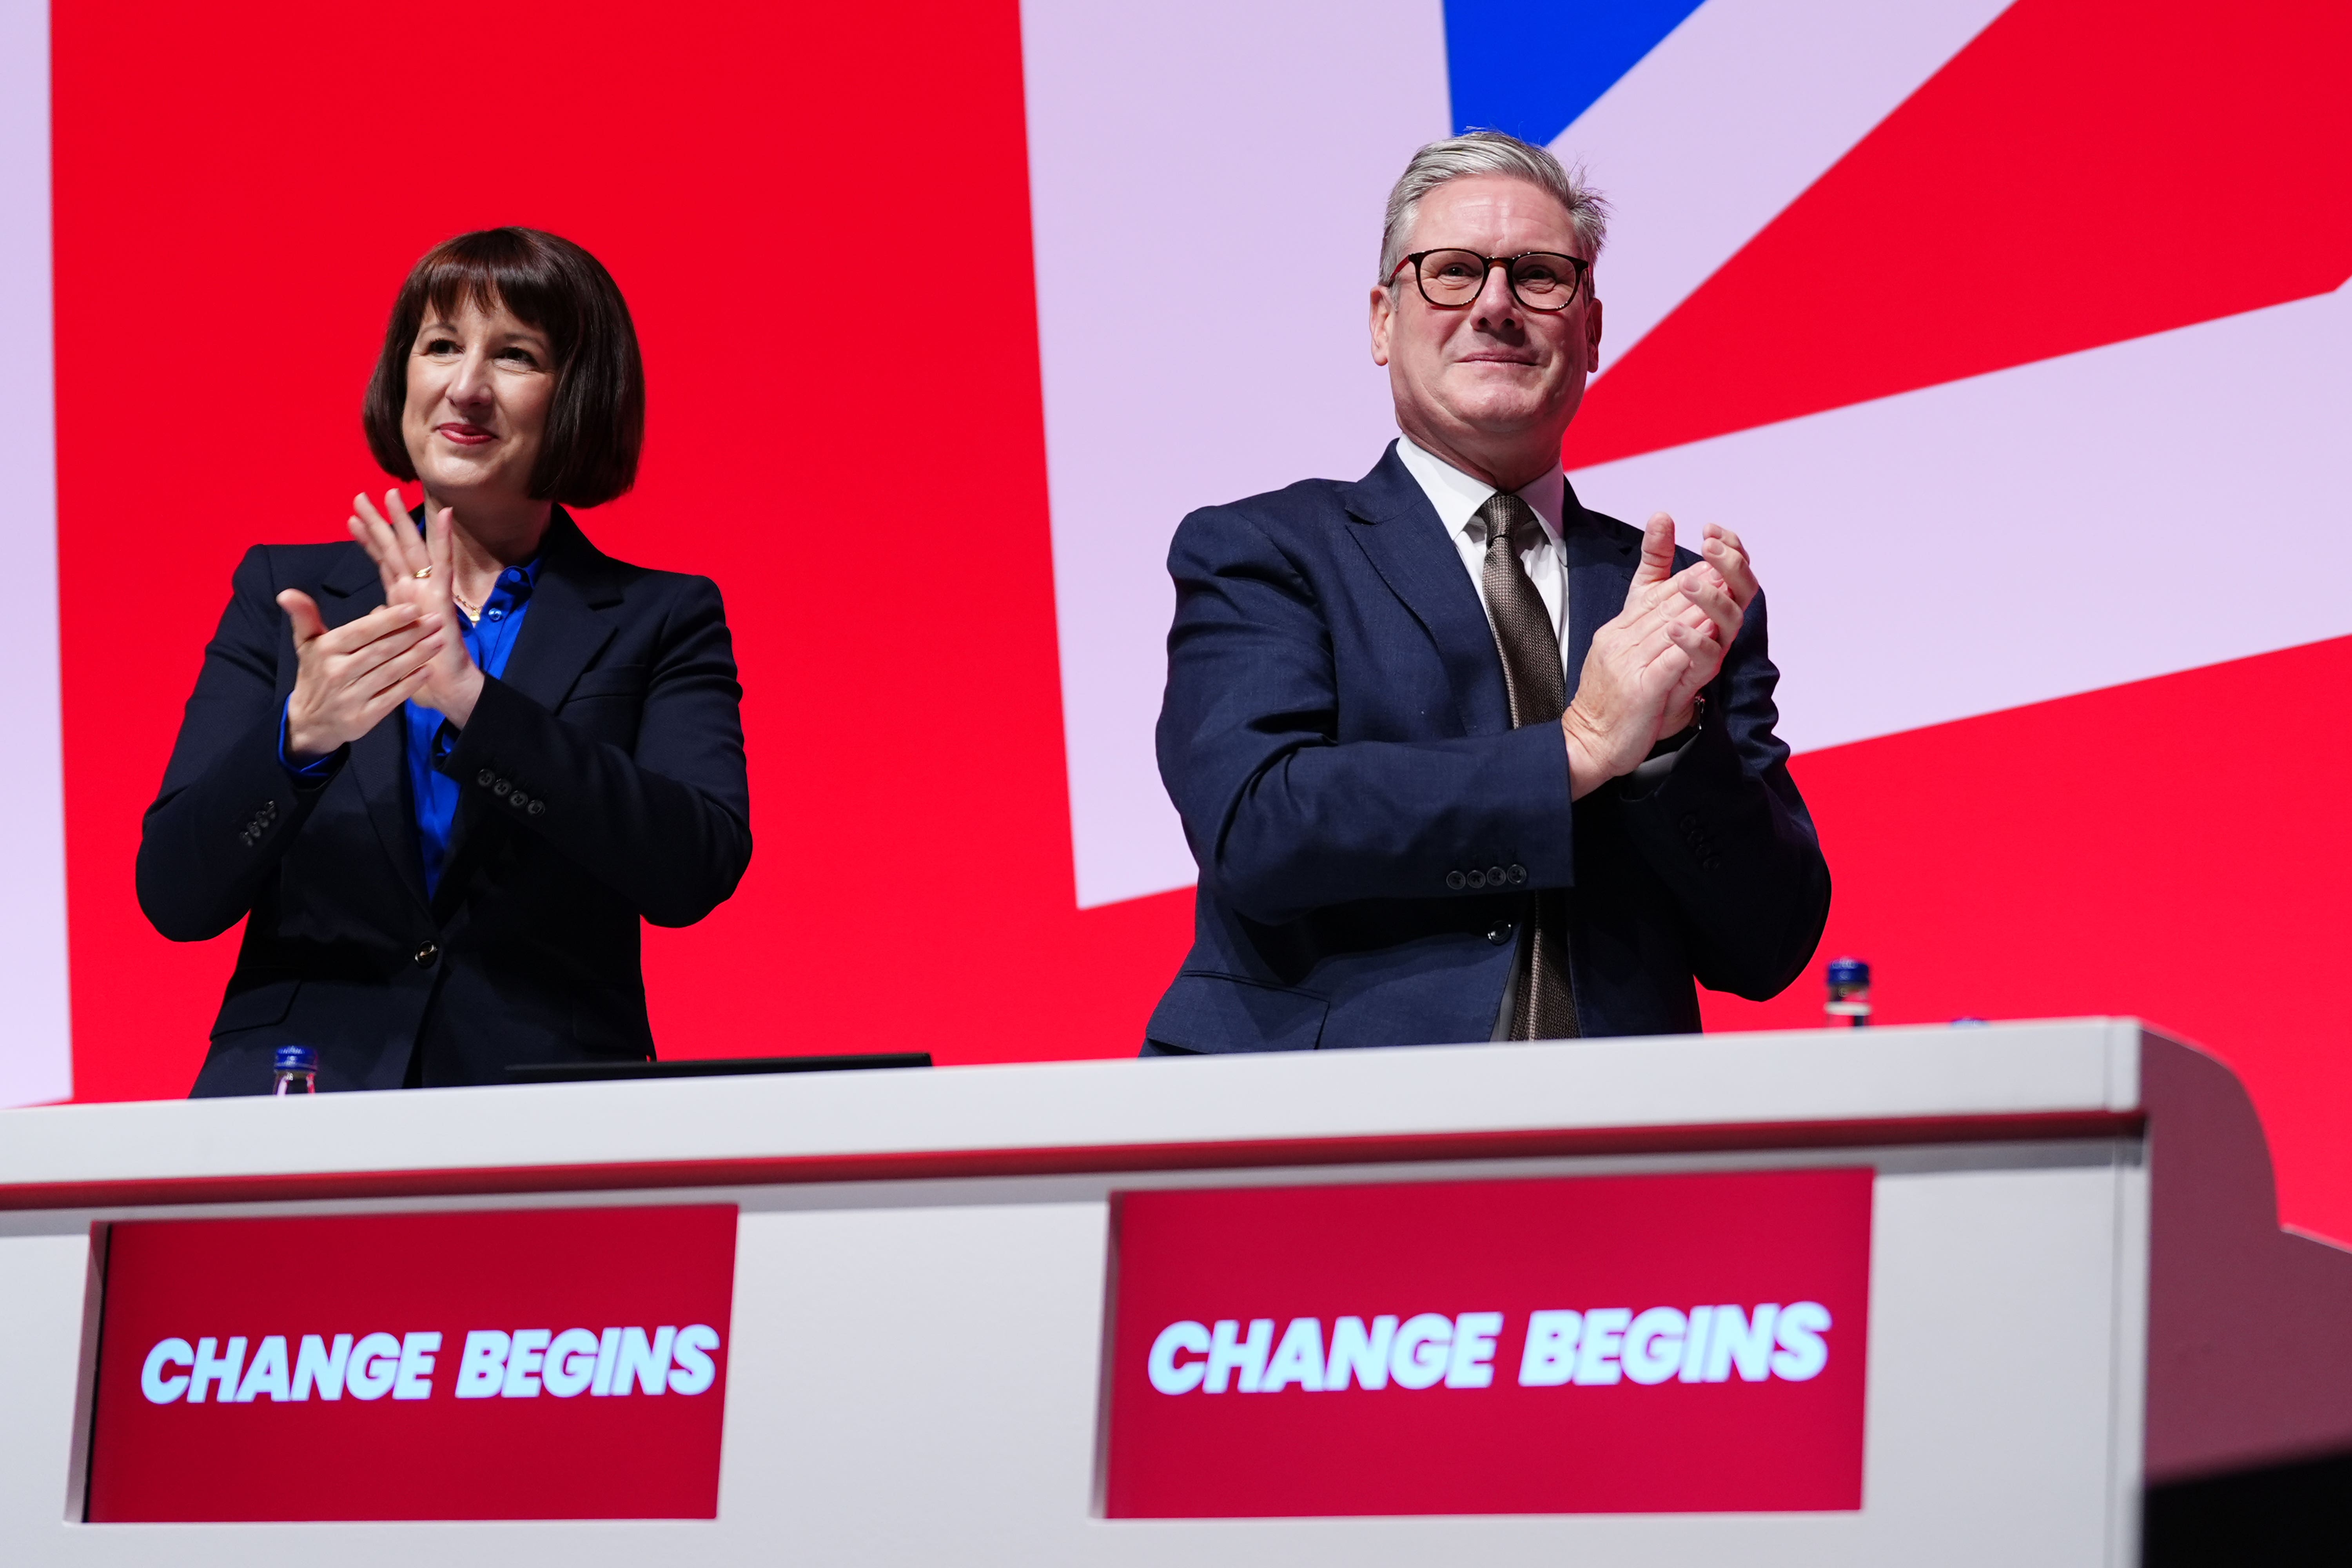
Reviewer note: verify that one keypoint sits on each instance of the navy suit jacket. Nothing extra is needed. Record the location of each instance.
(1337, 738)
(602, 784)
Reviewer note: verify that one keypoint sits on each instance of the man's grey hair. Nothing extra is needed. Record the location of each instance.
(1489, 152)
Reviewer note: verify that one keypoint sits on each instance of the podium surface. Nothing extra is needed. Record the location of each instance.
(2049, 1260)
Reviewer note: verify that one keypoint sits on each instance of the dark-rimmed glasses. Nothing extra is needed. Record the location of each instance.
(1539, 279)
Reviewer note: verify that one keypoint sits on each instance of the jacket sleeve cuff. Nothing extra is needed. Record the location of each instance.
(486, 754)
(1650, 774)
(311, 774)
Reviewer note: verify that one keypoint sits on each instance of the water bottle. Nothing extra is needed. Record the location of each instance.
(1849, 992)
(297, 1070)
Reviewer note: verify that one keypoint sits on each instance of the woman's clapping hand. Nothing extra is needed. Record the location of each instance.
(347, 680)
(452, 681)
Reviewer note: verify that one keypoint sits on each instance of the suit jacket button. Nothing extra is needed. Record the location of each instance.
(426, 954)
(537, 807)
(1477, 879)
(1500, 934)
(1456, 880)
(1493, 876)
(500, 787)
(1519, 874)
(484, 777)
(518, 800)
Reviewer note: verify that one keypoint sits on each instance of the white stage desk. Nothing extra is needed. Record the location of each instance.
(2075, 1281)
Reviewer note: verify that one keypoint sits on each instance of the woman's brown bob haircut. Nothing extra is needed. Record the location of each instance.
(597, 423)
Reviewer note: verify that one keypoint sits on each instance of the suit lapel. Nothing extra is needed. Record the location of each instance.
(379, 760)
(565, 629)
(1600, 563)
(567, 626)
(1400, 533)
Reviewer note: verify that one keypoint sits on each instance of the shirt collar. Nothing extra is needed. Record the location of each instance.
(507, 586)
(1458, 497)
(513, 587)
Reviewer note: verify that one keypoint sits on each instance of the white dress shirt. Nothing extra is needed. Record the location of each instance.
(1457, 498)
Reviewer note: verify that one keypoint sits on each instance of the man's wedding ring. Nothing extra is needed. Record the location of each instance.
(421, 571)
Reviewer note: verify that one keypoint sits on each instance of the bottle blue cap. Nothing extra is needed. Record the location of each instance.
(298, 1058)
(1849, 972)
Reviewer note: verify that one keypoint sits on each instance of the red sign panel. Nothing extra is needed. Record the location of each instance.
(1624, 1345)
(540, 1364)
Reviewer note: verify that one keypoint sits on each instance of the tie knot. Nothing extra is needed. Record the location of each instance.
(1507, 517)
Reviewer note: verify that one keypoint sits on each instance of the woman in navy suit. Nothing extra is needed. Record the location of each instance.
(443, 771)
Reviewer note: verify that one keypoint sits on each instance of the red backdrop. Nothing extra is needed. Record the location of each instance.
(239, 190)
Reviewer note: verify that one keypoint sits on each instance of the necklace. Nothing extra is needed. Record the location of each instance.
(473, 612)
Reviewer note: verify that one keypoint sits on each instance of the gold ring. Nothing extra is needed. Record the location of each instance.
(422, 572)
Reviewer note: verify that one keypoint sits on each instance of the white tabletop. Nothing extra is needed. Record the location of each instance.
(1755, 1079)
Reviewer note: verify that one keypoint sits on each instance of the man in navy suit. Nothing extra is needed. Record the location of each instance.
(1460, 760)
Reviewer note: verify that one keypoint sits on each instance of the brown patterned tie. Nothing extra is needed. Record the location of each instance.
(1524, 636)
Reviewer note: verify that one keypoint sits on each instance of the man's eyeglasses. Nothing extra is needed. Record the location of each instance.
(1539, 279)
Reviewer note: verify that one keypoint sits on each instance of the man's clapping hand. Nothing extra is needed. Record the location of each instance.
(1645, 669)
